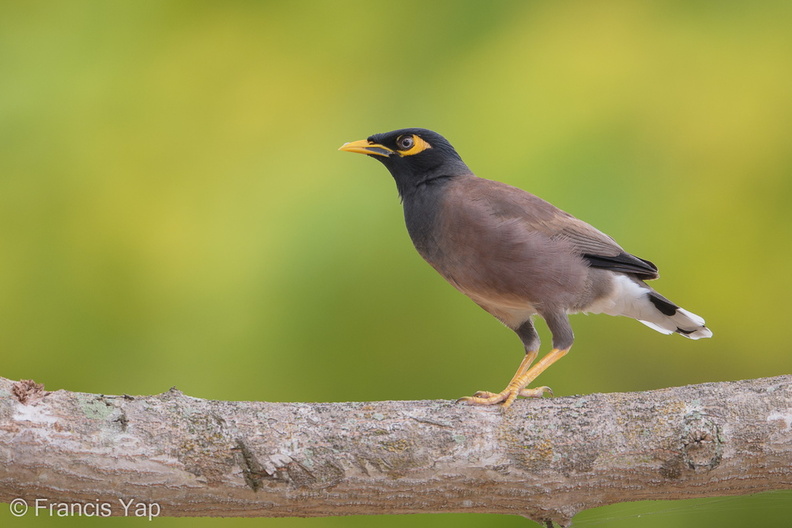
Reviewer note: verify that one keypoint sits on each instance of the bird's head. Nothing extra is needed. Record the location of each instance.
(414, 156)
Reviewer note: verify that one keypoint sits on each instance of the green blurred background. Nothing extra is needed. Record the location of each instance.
(173, 209)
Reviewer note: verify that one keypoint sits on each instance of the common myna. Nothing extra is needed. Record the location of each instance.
(516, 255)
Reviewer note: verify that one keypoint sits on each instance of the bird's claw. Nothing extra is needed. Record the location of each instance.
(537, 392)
(506, 397)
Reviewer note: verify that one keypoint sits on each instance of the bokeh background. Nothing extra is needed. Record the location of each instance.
(174, 212)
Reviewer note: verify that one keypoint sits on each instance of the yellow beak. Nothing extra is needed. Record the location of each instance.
(365, 147)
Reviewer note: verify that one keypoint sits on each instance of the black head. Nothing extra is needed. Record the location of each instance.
(414, 156)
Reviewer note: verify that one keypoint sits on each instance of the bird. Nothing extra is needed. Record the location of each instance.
(516, 255)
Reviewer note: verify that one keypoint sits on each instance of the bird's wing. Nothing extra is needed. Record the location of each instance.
(601, 251)
(597, 248)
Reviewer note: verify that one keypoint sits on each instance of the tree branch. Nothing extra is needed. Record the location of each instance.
(543, 459)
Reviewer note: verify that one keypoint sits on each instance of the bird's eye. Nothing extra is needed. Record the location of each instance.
(405, 142)
(411, 144)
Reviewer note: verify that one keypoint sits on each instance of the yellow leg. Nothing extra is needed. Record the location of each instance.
(521, 370)
(525, 374)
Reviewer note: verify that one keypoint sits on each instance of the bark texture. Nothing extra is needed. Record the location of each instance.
(544, 459)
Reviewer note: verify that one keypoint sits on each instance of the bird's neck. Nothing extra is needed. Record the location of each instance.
(422, 204)
(429, 179)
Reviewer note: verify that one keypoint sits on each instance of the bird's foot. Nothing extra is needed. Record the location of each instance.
(507, 396)
(525, 374)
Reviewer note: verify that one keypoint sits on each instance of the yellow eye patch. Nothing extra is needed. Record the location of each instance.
(411, 145)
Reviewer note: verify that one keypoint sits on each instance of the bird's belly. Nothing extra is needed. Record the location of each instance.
(510, 311)
(510, 280)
